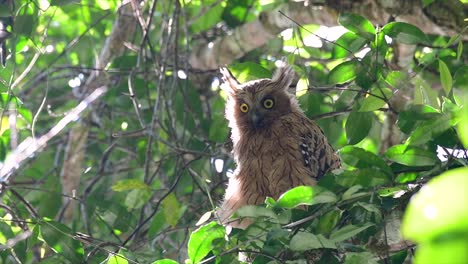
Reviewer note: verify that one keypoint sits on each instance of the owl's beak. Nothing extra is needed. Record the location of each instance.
(257, 119)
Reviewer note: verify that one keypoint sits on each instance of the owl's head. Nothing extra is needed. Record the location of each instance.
(259, 103)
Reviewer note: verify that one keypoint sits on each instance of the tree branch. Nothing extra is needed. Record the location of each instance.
(224, 50)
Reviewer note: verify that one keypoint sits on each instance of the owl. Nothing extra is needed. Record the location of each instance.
(275, 146)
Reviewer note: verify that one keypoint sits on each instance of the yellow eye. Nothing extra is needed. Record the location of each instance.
(244, 108)
(268, 103)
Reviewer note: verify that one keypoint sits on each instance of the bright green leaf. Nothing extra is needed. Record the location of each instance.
(200, 242)
(445, 77)
(454, 250)
(411, 156)
(358, 25)
(346, 44)
(116, 259)
(301, 195)
(438, 208)
(404, 33)
(26, 114)
(358, 126)
(305, 241)
(344, 72)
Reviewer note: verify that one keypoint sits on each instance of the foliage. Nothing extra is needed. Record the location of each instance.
(157, 150)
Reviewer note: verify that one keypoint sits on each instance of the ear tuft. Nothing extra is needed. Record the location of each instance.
(230, 84)
(283, 76)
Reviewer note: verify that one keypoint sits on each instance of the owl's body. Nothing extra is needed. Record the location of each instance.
(276, 147)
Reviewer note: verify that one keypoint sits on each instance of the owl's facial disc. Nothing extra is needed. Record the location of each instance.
(257, 118)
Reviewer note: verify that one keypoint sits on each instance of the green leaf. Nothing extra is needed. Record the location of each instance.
(61, 2)
(325, 197)
(396, 79)
(459, 50)
(429, 130)
(248, 71)
(329, 221)
(165, 261)
(26, 114)
(116, 259)
(305, 241)
(344, 72)
(24, 25)
(461, 78)
(157, 224)
(411, 117)
(350, 193)
(208, 19)
(424, 93)
(5, 10)
(445, 77)
(404, 33)
(301, 195)
(358, 126)
(136, 198)
(201, 241)
(462, 126)
(361, 257)
(427, 2)
(60, 238)
(376, 99)
(254, 211)
(358, 25)
(360, 158)
(218, 130)
(237, 12)
(438, 208)
(348, 42)
(455, 250)
(411, 156)
(129, 184)
(172, 209)
(348, 232)
(367, 177)
(3, 149)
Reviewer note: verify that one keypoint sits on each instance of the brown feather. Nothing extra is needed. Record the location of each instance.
(283, 150)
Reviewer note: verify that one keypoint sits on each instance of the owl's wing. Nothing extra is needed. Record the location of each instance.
(318, 155)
